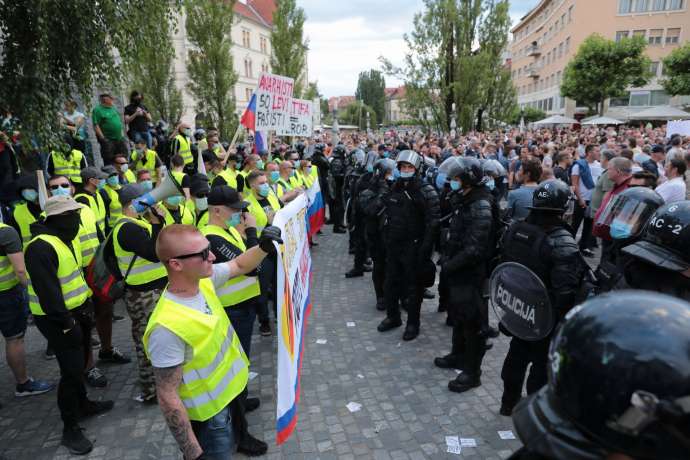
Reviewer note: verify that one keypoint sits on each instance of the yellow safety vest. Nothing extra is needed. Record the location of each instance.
(218, 370)
(242, 287)
(306, 180)
(203, 220)
(178, 176)
(186, 213)
(130, 177)
(185, 150)
(258, 211)
(24, 218)
(143, 271)
(147, 161)
(8, 279)
(97, 206)
(74, 289)
(88, 235)
(70, 167)
(282, 187)
(296, 180)
(314, 173)
(230, 177)
(115, 207)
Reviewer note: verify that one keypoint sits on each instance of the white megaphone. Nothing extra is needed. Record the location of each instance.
(168, 187)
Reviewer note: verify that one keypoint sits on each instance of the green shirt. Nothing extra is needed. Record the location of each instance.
(108, 118)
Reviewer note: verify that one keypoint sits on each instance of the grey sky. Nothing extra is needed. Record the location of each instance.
(347, 37)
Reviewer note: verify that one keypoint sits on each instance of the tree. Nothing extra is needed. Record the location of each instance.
(677, 70)
(529, 114)
(312, 91)
(210, 66)
(52, 51)
(289, 48)
(356, 114)
(603, 68)
(371, 89)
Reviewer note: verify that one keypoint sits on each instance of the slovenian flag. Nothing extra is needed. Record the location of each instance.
(259, 142)
(316, 212)
(248, 119)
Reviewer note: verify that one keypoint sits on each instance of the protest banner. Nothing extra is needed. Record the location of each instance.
(274, 98)
(681, 127)
(300, 120)
(294, 306)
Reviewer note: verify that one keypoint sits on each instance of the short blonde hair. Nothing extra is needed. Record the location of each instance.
(169, 238)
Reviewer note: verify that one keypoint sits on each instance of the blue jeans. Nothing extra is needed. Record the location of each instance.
(242, 317)
(215, 435)
(145, 135)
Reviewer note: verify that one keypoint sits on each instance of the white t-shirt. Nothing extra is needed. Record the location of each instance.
(166, 349)
(595, 170)
(672, 190)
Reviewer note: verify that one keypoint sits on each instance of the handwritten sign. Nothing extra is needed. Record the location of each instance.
(300, 119)
(274, 101)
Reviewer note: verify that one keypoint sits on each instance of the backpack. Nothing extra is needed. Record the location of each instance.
(103, 275)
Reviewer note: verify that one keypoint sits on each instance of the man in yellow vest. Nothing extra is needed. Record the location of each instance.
(133, 244)
(14, 311)
(198, 360)
(228, 176)
(92, 181)
(199, 189)
(182, 145)
(67, 161)
(59, 301)
(109, 193)
(280, 186)
(28, 211)
(124, 174)
(145, 158)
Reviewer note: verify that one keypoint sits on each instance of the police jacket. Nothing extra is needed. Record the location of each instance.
(643, 275)
(544, 244)
(412, 215)
(470, 241)
(321, 162)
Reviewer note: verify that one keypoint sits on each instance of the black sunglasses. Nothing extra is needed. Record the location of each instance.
(203, 254)
(57, 186)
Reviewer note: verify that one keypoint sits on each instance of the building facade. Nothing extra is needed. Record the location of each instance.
(548, 36)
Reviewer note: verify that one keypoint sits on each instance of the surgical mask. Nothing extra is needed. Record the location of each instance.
(101, 184)
(406, 174)
(113, 181)
(386, 154)
(308, 170)
(455, 185)
(396, 173)
(275, 175)
(140, 150)
(390, 179)
(264, 190)
(370, 169)
(61, 191)
(30, 195)
(174, 200)
(234, 220)
(187, 132)
(296, 163)
(260, 164)
(201, 203)
(238, 166)
(124, 167)
(491, 184)
(147, 185)
(620, 230)
(292, 172)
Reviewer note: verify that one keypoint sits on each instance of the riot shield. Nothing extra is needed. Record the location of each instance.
(521, 301)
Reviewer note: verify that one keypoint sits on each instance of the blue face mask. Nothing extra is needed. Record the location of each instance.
(620, 230)
(275, 175)
(440, 180)
(296, 163)
(386, 154)
(61, 191)
(455, 185)
(147, 184)
(292, 172)
(234, 220)
(30, 195)
(491, 184)
(260, 164)
(370, 168)
(264, 189)
(238, 166)
(113, 181)
(396, 173)
(307, 171)
(101, 184)
(174, 200)
(406, 175)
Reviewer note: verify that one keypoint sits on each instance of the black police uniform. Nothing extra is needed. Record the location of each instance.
(357, 220)
(336, 180)
(321, 162)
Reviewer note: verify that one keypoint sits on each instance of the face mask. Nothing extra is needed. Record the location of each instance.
(234, 220)
(390, 179)
(406, 175)
(66, 225)
(620, 230)
(113, 181)
(296, 163)
(174, 200)
(308, 170)
(370, 169)
(455, 185)
(30, 195)
(264, 189)
(260, 164)
(101, 184)
(386, 154)
(140, 150)
(201, 203)
(396, 173)
(147, 184)
(187, 132)
(61, 191)
(275, 175)
(124, 167)
(292, 172)
(491, 184)
(238, 166)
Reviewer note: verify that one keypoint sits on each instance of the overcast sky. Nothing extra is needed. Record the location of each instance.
(347, 37)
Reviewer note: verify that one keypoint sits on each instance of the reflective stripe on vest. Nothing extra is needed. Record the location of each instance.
(230, 177)
(74, 289)
(296, 180)
(242, 287)
(115, 206)
(218, 370)
(8, 279)
(258, 211)
(70, 167)
(143, 271)
(24, 218)
(184, 150)
(97, 206)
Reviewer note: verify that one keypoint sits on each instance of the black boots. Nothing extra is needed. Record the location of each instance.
(449, 361)
(411, 332)
(75, 441)
(354, 273)
(387, 324)
(464, 382)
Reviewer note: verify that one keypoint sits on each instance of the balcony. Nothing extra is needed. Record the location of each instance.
(534, 50)
(533, 72)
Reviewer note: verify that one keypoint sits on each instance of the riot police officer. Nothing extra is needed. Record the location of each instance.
(336, 178)
(618, 385)
(464, 260)
(543, 243)
(357, 219)
(412, 220)
(354, 170)
(319, 160)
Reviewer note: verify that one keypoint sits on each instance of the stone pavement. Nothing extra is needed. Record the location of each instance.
(406, 410)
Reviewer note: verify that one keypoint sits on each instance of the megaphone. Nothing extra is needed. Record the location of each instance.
(200, 166)
(168, 187)
(42, 189)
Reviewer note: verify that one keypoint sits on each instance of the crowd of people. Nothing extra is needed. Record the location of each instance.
(183, 220)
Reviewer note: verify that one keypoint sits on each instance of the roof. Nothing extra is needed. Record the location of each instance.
(342, 101)
(260, 11)
(529, 15)
(395, 93)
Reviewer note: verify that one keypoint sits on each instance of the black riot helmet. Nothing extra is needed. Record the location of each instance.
(370, 160)
(666, 239)
(552, 195)
(411, 157)
(468, 169)
(619, 382)
(357, 158)
(319, 148)
(300, 148)
(626, 215)
(339, 151)
(384, 166)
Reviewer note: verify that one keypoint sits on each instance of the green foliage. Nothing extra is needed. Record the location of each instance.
(289, 48)
(605, 68)
(530, 115)
(52, 51)
(356, 114)
(677, 70)
(371, 89)
(210, 65)
(311, 92)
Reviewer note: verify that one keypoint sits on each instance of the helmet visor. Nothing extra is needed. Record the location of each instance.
(625, 217)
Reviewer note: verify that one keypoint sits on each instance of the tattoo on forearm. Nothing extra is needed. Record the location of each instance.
(167, 382)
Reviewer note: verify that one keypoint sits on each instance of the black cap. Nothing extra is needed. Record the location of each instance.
(658, 149)
(225, 195)
(209, 156)
(92, 172)
(198, 185)
(382, 147)
(109, 170)
(129, 192)
(28, 181)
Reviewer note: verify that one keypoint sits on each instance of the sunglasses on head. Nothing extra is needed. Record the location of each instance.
(203, 254)
(57, 186)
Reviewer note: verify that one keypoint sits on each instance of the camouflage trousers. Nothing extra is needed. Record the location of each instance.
(139, 307)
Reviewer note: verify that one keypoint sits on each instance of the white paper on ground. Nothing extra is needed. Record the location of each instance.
(353, 406)
(468, 442)
(454, 450)
(360, 376)
(321, 341)
(350, 324)
(506, 434)
(252, 375)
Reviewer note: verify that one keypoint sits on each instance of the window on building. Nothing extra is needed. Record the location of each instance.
(659, 97)
(672, 36)
(248, 72)
(641, 6)
(558, 76)
(639, 98)
(654, 68)
(621, 34)
(570, 13)
(655, 36)
(567, 45)
(622, 101)
(658, 5)
(248, 93)
(625, 6)
(639, 33)
(674, 4)
(264, 67)
(246, 38)
(550, 103)
(562, 20)
(560, 50)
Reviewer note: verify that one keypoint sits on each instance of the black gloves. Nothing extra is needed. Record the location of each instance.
(268, 236)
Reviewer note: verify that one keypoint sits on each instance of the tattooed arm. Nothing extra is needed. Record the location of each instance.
(167, 381)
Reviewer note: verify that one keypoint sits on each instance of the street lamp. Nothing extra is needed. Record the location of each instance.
(453, 123)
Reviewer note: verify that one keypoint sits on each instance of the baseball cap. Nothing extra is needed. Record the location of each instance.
(657, 149)
(28, 181)
(91, 172)
(109, 170)
(225, 195)
(198, 184)
(129, 192)
(209, 156)
(60, 204)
